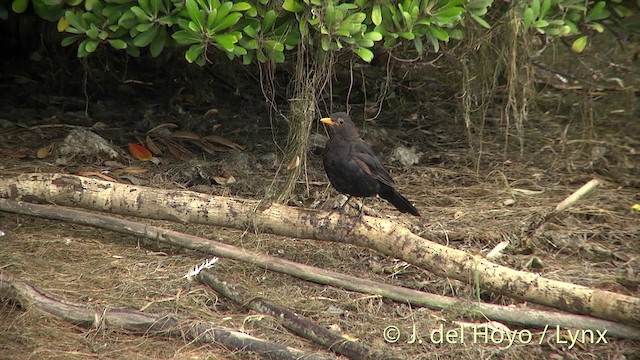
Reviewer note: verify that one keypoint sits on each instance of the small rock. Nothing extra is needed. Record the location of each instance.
(406, 156)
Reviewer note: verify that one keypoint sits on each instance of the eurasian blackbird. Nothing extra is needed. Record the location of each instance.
(354, 169)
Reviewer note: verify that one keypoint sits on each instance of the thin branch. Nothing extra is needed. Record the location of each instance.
(519, 316)
(140, 323)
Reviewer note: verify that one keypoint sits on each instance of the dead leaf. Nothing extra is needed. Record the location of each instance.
(211, 112)
(224, 141)
(131, 170)
(189, 98)
(17, 155)
(185, 134)
(43, 152)
(96, 174)
(153, 146)
(294, 163)
(140, 152)
(224, 181)
(508, 202)
(179, 151)
(208, 147)
(162, 126)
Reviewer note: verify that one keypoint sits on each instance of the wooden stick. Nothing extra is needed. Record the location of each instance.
(385, 236)
(137, 322)
(515, 315)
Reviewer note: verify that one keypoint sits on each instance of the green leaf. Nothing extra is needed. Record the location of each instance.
(144, 5)
(439, 34)
(186, 37)
(91, 45)
(117, 44)
(226, 41)
(527, 18)
(325, 42)
(241, 6)
(70, 40)
(534, 5)
(250, 44)
(156, 6)
(293, 6)
(277, 57)
(269, 20)
(92, 32)
(140, 14)
(82, 48)
(144, 27)
(90, 5)
(540, 24)
(373, 36)
(227, 22)
(571, 26)
(452, 12)
(274, 45)
(75, 21)
(407, 35)
(223, 11)
(196, 15)
(19, 6)
(261, 57)
(52, 2)
(596, 26)
(579, 44)
(193, 53)
(623, 11)
(457, 34)
(128, 20)
(598, 12)
(419, 45)
(481, 21)
(544, 9)
(376, 15)
(239, 51)
(364, 54)
(145, 38)
(249, 30)
(158, 42)
(132, 50)
(365, 43)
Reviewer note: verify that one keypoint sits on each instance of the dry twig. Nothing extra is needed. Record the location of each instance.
(514, 315)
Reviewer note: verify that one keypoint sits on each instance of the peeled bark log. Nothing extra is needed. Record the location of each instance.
(387, 237)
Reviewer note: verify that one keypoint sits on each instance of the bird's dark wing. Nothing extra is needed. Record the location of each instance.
(368, 162)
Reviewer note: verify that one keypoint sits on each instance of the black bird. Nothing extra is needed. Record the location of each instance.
(354, 169)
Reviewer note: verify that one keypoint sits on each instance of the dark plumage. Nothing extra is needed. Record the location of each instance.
(354, 169)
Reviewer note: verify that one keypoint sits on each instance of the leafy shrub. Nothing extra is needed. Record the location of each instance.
(262, 30)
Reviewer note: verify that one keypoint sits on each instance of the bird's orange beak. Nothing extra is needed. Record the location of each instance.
(327, 121)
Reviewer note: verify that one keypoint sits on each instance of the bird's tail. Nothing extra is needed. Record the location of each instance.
(400, 202)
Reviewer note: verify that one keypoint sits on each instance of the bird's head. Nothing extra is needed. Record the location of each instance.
(340, 123)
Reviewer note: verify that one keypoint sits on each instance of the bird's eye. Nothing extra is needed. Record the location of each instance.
(340, 121)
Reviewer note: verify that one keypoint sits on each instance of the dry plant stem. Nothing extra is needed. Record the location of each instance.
(136, 322)
(292, 321)
(387, 237)
(562, 206)
(514, 315)
(577, 195)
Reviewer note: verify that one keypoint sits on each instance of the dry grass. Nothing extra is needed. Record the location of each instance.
(472, 201)
(84, 265)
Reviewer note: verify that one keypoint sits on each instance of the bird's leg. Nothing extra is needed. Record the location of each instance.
(361, 209)
(345, 203)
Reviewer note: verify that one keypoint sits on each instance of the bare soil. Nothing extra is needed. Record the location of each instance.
(575, 135)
